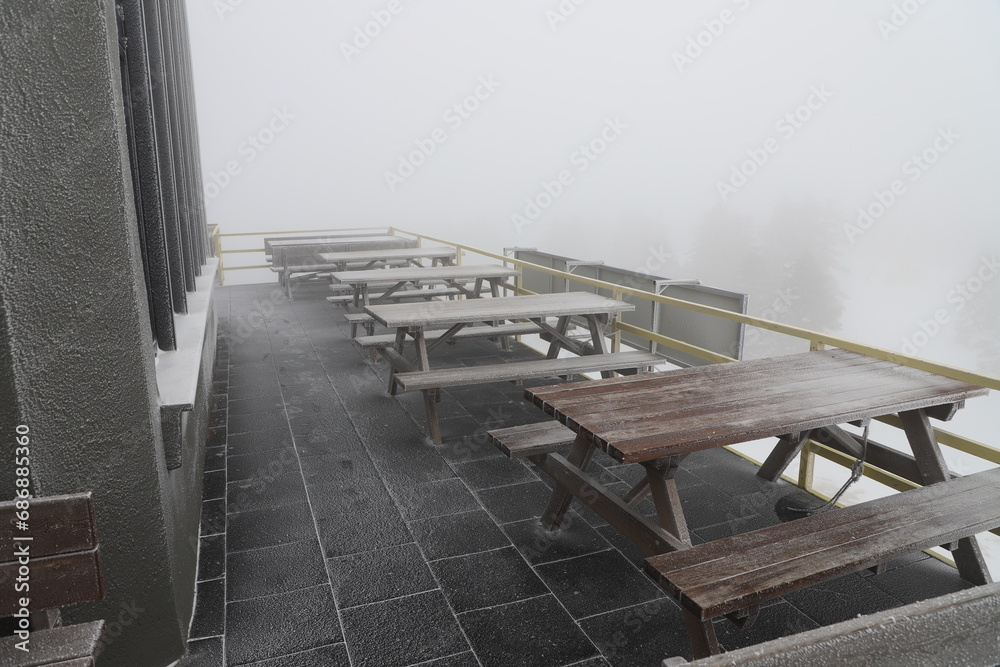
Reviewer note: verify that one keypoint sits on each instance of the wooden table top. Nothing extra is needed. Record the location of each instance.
(644, 417)
(425, 273)
(337, 240)
(388, 253)
(495, 308)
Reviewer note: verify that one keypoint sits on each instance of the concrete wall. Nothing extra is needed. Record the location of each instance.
(75, 326)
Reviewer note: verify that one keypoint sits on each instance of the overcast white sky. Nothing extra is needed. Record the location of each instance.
(332, 114)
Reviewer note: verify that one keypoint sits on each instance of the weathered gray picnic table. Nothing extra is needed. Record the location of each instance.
(532, 311)
(442, 255)
(455, 277)
(658, 419)
(302, 256)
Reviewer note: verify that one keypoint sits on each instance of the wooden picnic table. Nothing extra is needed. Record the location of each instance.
(658, 419)
(438, 255)
(301, 256)
(456, 277)
(413, 320)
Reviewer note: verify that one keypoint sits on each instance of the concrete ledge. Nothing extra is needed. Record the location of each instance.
(178, 373)
(958, 629)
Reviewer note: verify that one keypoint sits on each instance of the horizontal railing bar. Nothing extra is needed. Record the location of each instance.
(233, 252)
(955, 441)
(699, 352)
(240, 268)
(306, 231)
(953, 372)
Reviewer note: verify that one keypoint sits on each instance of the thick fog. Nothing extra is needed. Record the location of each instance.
(838, 161)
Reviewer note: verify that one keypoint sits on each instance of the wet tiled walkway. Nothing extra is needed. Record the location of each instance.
(334, 533)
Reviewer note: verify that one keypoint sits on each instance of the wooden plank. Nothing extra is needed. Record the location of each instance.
(726, 575)
(441, 252)
(402, 295)
(384, 340)
(58, 524)
(522, 370)
(496, 308)
(643, 408)
(719, 373)
(649, 441)
(531, 439)
(68, 645)
(787, 538)
(270, 240)
(426, 274)
(694, 389)
(57, 581)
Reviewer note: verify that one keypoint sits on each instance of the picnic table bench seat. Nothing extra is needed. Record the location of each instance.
(484, 331)
(400, 295)
(519, 442)
(520, 370)
(733, 576)
(325, 267)
(65, 570)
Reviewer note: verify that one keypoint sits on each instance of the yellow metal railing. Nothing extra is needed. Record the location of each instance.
(815, 339)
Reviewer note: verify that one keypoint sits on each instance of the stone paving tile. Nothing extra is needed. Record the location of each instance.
(403, 631)
(279, 625)
(383, 574)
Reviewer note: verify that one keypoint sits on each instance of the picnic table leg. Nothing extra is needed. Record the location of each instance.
(930, 463)
(781, 456)
(598, 340)
(495, 292)
(579, 456)
(561, 326)
(397, 346)
(660, 474)
(429, 394)
(704, 643)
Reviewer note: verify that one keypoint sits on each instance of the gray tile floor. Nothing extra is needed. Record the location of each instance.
(334, 532)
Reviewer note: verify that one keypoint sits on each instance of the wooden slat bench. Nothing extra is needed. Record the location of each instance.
(733, 576)
(520, 370)
(386, 340)
(519, 442)
(64, 557)
(402, 295)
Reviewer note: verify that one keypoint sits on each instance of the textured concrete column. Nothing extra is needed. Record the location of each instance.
(76, 326)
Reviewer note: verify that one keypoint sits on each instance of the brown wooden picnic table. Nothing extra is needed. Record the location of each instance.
(659, 419)
(414, 320)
